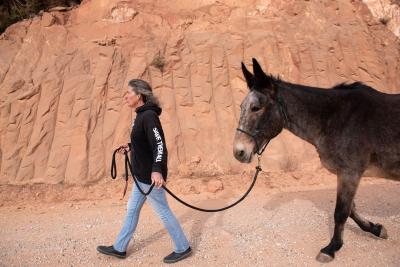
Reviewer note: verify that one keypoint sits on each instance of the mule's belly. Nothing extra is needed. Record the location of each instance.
(377, 171)
(385, 162)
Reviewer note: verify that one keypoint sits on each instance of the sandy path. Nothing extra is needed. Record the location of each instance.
(272, 227)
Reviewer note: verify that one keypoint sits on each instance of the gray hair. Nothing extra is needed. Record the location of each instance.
(144, 89)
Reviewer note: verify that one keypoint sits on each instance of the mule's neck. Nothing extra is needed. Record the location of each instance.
(305, 107)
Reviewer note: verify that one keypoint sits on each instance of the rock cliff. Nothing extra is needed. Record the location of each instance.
(63, 76)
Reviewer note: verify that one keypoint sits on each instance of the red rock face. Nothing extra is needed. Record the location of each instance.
(63, 76)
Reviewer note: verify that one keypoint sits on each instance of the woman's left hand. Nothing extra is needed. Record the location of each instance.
(157, 179)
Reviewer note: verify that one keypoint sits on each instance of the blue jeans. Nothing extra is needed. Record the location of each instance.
(159, 203)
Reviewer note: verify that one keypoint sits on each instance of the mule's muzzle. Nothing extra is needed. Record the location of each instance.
(241, 153)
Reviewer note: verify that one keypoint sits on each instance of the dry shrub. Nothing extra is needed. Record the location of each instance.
(159, 62)
(384, 20)
(12, 11)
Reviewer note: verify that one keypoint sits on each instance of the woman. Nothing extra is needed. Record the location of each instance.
(149, 163)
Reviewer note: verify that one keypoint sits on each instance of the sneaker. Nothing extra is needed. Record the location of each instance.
(111, 251)
(175, 257)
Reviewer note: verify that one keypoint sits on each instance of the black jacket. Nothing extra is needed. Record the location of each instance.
(148, 149)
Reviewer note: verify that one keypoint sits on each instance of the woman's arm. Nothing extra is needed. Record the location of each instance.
(155, 137)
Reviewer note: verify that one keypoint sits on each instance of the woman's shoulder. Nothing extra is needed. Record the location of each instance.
(150, 117)
(149, 114)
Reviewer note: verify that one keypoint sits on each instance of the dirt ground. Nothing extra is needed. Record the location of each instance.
(284, 222)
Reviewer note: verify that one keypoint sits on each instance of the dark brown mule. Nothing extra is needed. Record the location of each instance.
(355, 129)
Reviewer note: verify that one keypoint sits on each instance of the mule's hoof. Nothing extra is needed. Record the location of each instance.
(324, 258)
(383, 234)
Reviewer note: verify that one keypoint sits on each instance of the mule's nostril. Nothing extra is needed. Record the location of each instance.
(239, 151)
(240, 154)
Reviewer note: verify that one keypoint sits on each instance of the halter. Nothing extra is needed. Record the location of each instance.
(282, 109)
(258, 152)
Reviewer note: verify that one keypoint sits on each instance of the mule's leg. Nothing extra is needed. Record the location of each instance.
(374, 228)
(347, 187)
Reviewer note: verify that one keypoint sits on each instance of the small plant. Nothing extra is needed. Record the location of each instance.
(12, 11)
(384, 20)
(159, 62)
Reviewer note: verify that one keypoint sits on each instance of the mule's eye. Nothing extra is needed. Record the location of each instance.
(255, 108)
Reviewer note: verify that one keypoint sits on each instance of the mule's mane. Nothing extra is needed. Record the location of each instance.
(347, 86)
(275, 78)
(317, 90)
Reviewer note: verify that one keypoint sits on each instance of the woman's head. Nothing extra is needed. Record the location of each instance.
(139, 92)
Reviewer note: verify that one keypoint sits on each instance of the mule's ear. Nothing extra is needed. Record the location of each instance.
(260, 79)
(248, 76)
(264, 83)
(257, 70)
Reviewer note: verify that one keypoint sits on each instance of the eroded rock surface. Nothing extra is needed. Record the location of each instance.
(63, 76)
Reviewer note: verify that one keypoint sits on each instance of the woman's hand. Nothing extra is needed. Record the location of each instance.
(124, 148)
(157, 179)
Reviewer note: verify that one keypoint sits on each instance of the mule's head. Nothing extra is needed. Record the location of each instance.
(261, 117)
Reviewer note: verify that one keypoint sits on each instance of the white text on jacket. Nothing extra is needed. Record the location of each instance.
(160, 148)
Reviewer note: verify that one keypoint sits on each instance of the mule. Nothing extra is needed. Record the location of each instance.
(354, 128)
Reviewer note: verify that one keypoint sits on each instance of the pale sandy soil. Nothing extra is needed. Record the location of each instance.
(284, 222)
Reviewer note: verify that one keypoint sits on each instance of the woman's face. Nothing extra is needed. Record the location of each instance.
(131, 98)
